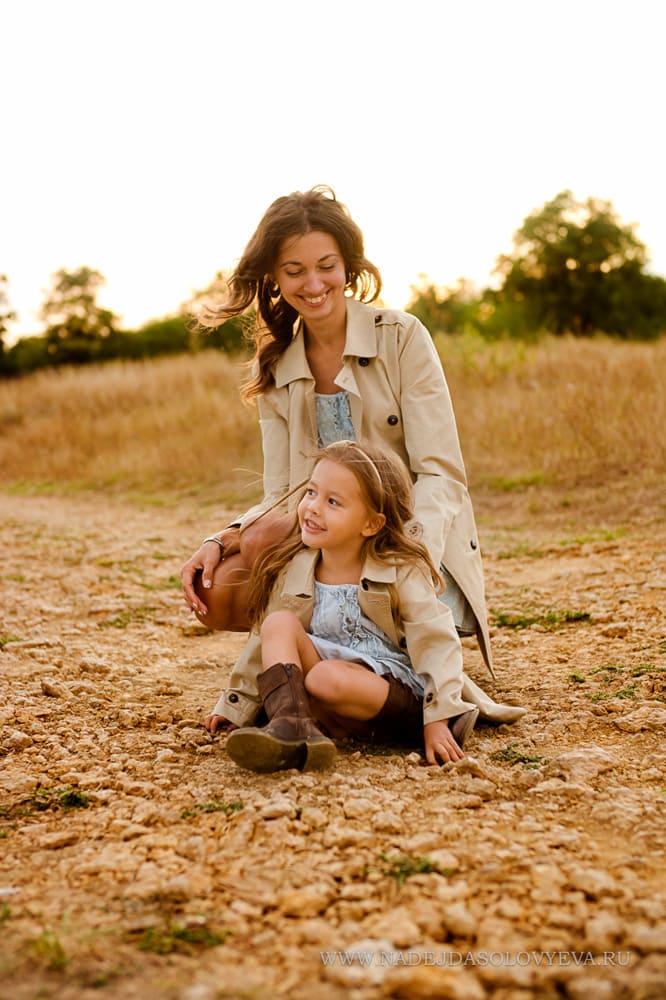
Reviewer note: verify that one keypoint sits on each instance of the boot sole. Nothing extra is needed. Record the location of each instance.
(319, 754)
(256, 750)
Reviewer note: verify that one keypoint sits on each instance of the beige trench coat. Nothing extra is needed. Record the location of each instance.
(427, 633)
(399, 399)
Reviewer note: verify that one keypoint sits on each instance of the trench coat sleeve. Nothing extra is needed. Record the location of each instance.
(433, 647)
(431, 437)
(240, 703)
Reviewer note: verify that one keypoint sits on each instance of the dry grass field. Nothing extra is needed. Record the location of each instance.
(136, 860)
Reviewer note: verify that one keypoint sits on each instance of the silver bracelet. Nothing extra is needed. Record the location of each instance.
(214, 538)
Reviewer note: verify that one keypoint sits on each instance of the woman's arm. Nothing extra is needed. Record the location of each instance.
(431, 436)
(432, 645)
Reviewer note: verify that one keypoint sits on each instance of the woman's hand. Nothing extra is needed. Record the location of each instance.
(439, 743)
(204, 561)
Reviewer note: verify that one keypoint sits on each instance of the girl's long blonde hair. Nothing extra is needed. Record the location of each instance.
(252, 281)
(386, 489)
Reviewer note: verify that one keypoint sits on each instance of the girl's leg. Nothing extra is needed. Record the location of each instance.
(284, 640)
(347, 689)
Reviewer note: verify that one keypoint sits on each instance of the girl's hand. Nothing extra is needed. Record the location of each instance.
(439, 743)
(204, 561)
(215, 722)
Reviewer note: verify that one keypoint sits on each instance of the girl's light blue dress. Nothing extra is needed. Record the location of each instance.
(334, 423)
(340, 631)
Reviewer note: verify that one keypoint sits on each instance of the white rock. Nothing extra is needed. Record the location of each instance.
(397, 925)
(61, 838)
(581, 764)
(593, 882)
(308, 902)
(368, 961)
(357, 808)
(277, 808)
(646, 938)
(17, 740)
(650, 717)
(387, 822)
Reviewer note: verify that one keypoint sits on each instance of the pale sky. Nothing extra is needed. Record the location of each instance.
(145, 138)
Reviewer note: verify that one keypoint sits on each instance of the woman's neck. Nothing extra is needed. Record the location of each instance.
(324, 348)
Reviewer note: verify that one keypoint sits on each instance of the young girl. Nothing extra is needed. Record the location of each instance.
(347, 627)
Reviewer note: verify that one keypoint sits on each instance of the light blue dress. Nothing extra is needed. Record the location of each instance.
(340, 631)
(334, 423)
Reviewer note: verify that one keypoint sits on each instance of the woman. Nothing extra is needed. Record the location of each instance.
(330, 366)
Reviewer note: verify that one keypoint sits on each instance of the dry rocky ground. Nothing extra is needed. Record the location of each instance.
(136, 860)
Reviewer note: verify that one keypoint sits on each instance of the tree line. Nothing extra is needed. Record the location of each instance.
(574, 269)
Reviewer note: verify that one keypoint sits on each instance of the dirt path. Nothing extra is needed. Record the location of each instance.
(136, 860)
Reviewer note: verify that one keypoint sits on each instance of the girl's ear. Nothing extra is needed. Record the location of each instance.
(374, 525)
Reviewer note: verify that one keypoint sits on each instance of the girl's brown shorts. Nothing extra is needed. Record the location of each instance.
(400, 721)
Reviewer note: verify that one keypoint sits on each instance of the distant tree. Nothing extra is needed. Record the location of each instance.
(575, 269)
(7, 315)
(75, 324)
(444, 309)
(228, 336)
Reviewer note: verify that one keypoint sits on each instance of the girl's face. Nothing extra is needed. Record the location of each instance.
(311, 274)
(333, 515)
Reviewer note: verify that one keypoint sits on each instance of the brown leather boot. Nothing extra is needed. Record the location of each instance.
(292, 738)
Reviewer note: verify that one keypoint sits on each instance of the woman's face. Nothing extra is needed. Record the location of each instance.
(311, 274)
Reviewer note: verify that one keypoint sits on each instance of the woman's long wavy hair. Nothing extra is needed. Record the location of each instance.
(252, 281)
(386, 489)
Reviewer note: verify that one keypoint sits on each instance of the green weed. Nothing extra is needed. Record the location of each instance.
(577, 678)
(402, 867)
(549, 620)
(511, 755)
(4, 639)
(65, 798)
(507, 484)
(215, 805)
(128, 617)
(171, 583)
(48, 950)
(624, 694)
(182, 939)
(609, 535)
(523, 551)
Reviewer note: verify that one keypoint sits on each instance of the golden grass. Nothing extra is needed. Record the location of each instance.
(561, 411)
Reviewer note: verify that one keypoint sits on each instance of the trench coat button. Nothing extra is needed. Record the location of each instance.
(364, 584)
(233, 698)
(473, 544)
(364, 362)
(428, 698)
(378, 320)
(392, 420)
